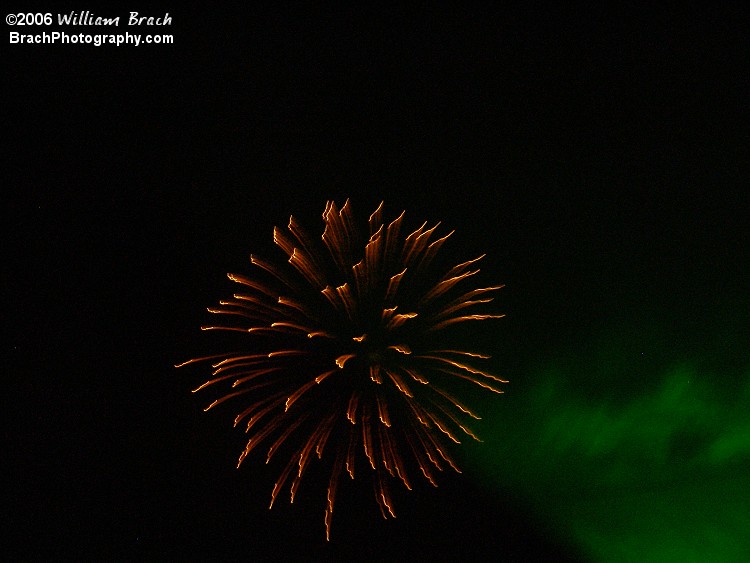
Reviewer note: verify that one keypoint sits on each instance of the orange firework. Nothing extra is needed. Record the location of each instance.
(348, 353)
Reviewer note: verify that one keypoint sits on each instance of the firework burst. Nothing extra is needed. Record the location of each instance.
(348, 354)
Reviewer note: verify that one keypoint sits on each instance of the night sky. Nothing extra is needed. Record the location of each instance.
(599, 158)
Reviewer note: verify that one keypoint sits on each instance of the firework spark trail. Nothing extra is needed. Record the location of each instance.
(343, 350)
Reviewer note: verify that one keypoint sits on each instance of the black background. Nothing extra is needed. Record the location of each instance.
(598, 157)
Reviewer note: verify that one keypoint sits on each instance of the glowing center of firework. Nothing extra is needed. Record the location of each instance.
(374, 357)
(375, 350)
(370, 348)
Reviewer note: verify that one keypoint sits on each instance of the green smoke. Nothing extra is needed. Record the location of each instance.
(633, 455)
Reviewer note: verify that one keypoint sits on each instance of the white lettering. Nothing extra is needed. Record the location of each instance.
(149, 20)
